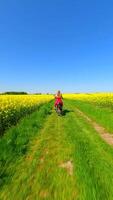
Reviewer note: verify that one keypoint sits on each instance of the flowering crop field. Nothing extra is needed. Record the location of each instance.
(101, 99)
(13, 107)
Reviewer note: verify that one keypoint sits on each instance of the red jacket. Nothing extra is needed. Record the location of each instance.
(58, 100)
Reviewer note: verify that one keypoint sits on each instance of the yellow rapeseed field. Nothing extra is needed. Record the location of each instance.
(104, 99)
(13, 107)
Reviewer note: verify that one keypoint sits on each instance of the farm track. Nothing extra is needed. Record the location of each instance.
(68, 160)
(108, 137)
(46, 157)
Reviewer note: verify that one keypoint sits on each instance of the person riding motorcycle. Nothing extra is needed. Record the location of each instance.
(58, 99)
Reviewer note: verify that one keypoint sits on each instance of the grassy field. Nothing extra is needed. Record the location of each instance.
(46, 156)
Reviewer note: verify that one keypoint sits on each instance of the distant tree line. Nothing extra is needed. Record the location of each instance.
(14, 93)
(21, 93)
(39, 93)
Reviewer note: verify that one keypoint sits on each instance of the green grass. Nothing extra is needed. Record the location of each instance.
(102, 115)
(38, 174)
(14, 144)
(93, 160)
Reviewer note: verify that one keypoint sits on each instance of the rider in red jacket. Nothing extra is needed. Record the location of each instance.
(58, 99)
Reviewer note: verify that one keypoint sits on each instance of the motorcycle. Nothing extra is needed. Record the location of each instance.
(59, 109)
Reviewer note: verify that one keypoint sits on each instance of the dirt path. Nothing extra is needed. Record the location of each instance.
(101, 130)
(47, 169)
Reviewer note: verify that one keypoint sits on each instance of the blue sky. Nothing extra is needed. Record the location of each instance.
(47, 45)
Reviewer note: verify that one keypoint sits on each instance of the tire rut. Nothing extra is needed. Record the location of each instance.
(108, 137)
